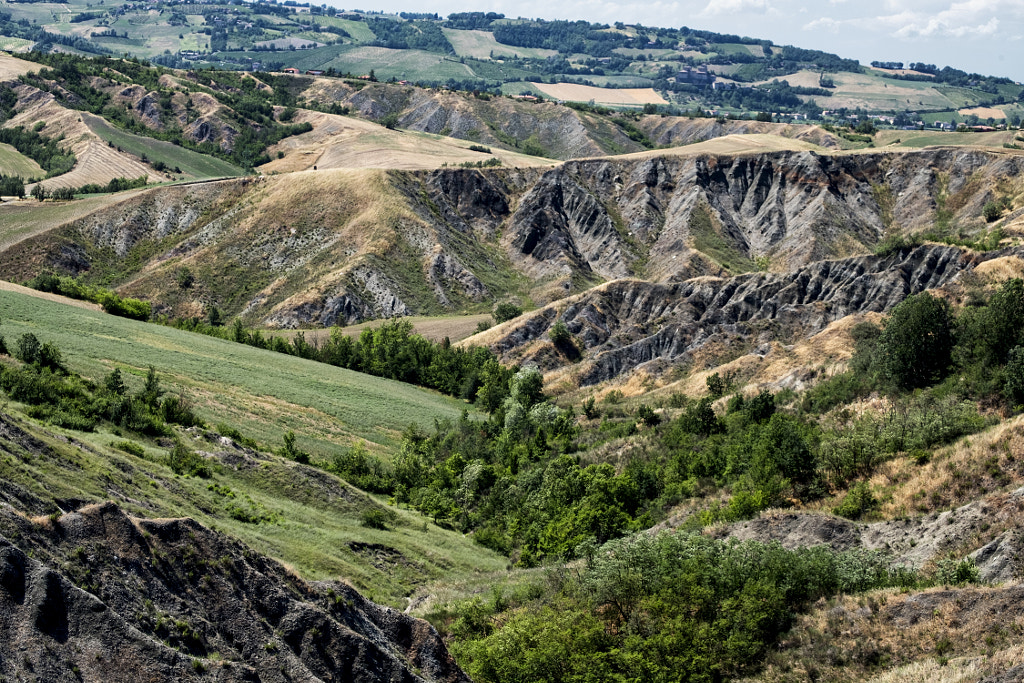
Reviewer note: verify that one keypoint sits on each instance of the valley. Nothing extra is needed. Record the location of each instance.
(483, 377)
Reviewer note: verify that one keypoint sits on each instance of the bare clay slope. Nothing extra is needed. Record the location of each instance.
(627, 324)
(99, 595)
(316, 248)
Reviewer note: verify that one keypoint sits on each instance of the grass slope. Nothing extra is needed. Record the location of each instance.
(13, 162)
(191, 163)
(264, 394)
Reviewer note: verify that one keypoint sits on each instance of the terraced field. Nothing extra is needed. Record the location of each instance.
(192, 164)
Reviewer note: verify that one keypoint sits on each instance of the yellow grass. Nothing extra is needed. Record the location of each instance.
(613, 96)
(97, 162)
(983, 112)
(12, 67)
(341, 142)
(976, 625)
(755, 143)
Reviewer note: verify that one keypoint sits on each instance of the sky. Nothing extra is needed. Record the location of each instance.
(983, 36)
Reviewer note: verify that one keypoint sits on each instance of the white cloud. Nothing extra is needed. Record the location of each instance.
(823, 24)
(716, 7)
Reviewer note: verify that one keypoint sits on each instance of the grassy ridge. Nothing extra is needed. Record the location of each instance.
(263, 393)
(191, 163)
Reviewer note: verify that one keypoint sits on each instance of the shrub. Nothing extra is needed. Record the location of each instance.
(857, 502)
(506, 311)
(992, 211)
(378, 518)
(129, 447)
(186, 462)
(915, 348)
(293, 452)
(716, 385)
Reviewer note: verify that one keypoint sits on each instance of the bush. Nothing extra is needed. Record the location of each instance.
(857, 502)
(378, 518)
(292, 451)
(992, 211)
(125, 308)
(915, 348)
(716, 385)
(506, 311)
(186, 462)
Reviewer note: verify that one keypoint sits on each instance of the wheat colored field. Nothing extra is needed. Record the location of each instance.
(573, 92)
(983, 112)
(338, 142)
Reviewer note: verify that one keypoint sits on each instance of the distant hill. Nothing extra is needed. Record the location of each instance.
(688, 67)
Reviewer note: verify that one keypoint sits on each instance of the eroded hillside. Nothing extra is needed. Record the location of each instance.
(101, 595)
(329, 246)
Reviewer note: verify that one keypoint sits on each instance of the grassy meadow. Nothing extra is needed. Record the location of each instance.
(299, 514)
(261, 393)
(13, 162)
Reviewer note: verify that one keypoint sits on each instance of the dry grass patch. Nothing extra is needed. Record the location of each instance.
(338, 142)
(586, 93)
(983, 112)
(956, 475)
(889, 637)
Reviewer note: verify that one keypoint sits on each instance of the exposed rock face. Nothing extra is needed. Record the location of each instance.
(910, 542)
(436, 241)
(98, 595)
(629, 323)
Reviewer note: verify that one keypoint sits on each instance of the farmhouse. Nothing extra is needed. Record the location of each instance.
(292, 70)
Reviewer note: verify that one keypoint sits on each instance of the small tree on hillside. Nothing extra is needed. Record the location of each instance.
(915, 348)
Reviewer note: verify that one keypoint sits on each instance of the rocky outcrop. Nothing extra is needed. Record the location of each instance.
(910, 542)
(99, 595)
(315, 250)
(627, 324)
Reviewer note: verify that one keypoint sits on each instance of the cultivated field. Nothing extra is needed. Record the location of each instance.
(346, 142)
(13, 162)
(456, 328)
(304, 517)
(413, 65)
(612, 96)
(983, 112)
(480, 44)
(192, 164)
(874, 92)
(264, 393)
(359, 31)
(926, 138)
(20, 220)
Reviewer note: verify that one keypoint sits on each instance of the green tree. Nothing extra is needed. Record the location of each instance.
(915, 348)
(716, 385)
(506, 311)
(992, 211)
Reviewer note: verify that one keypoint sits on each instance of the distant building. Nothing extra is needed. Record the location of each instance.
(314, 72)
(292, 70)
(699, 76)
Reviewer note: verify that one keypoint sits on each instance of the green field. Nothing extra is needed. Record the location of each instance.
(480, 44)
(302, 516)
(264, 393)
(359, 31)
(13, 162)
(926, 138)
(191, 163)
(413, 65)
